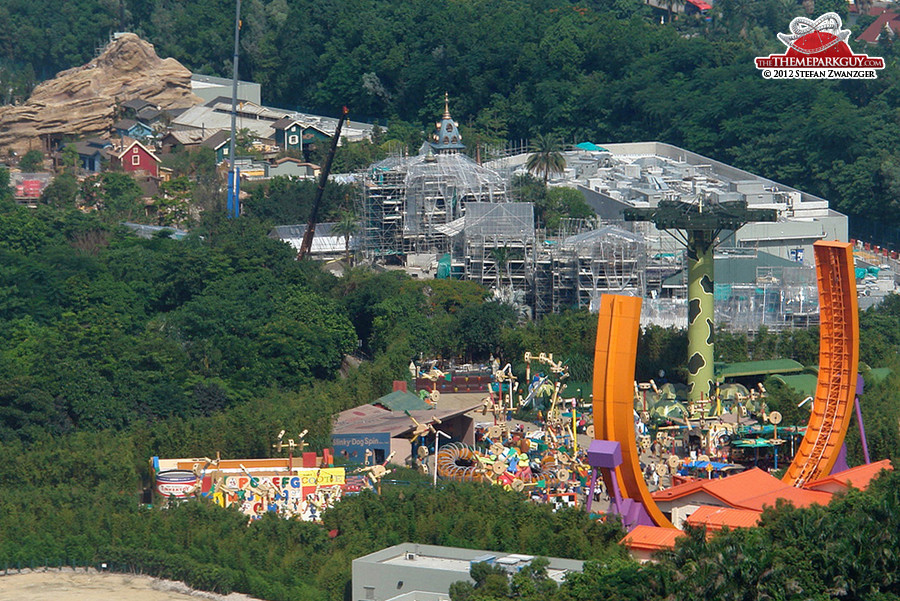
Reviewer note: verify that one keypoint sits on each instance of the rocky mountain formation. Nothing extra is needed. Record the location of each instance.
(82, 101)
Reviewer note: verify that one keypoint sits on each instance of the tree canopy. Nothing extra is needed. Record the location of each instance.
(599, 71)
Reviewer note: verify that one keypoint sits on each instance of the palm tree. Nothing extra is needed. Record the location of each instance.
(546, 157)
(501, 256)
(346, 226)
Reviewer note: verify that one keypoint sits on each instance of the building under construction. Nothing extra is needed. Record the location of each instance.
(600, 261)
(498, 245)
(440, 209)
(415, 204)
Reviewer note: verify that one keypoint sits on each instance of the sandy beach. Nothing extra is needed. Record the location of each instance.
(66, 585)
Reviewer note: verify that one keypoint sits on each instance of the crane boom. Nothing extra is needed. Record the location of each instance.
(306, 244)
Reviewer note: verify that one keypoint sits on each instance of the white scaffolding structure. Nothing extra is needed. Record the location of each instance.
(608, 260)
(499, 244)
(410, 204)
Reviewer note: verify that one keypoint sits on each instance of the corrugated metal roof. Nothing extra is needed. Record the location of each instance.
(187, 136)
(858, 477)
(369, 419)
(716, 518)
(651, 538)
(216, 140)
(401, 400)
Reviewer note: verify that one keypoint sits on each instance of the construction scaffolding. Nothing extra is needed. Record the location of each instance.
(415, 204)
(778, 297)
(591, 263)
(500, 245)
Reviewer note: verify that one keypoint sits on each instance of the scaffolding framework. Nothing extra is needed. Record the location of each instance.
(415, 204)
(500, 244)
(601, 261)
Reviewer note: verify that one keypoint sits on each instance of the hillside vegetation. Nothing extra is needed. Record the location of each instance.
(117, 349)
(601, 70)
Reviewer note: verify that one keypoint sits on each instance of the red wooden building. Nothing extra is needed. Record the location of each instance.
(137, 159)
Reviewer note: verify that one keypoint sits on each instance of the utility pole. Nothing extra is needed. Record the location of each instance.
(234, 184)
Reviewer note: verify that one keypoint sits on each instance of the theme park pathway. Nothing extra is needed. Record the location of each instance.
(66, 585)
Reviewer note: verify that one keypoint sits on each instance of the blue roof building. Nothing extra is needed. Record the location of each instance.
(446, 138)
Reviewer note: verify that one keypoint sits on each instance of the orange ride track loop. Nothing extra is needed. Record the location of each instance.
(838, 364)
(614, 362)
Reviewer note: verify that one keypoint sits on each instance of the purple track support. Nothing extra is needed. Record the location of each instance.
(590, 495)
(859, 419)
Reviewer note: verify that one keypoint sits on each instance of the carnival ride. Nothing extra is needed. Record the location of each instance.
(547, 459)
(509, 455)
(374, 473)
(614, 361)
(838, 364)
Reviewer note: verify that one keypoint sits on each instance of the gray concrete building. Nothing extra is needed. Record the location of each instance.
(640, 174)
(209, 87)
(412, 572)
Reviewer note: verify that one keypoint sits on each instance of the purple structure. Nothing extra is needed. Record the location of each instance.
(860, 384)
(607, 455)
(841, 463)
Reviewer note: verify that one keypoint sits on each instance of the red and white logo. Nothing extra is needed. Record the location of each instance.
(818, 50)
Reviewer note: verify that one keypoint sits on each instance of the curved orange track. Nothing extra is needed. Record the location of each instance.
(616, 350)
(614, 359)
(838, 364)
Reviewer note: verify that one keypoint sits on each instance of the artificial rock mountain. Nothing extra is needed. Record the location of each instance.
(82, 101)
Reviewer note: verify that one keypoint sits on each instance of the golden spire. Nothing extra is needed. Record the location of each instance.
(446, 105)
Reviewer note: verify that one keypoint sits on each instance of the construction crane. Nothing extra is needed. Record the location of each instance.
(306, 245)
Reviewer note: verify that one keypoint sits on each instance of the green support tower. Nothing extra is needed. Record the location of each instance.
(697, 226)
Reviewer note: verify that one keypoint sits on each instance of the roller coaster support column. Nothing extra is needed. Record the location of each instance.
(859, 419)
(696, 223)
(701, 379)
(605, 455)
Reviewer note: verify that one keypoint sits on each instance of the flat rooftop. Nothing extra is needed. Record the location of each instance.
(643, 173)
(430, 562)
(458, 560)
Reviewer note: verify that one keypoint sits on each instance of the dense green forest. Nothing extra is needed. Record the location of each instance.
(120, 348)
(601, 70)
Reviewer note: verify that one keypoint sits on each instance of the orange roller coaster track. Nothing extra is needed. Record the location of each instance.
(614, 360)
(838, 364)
(616, 351)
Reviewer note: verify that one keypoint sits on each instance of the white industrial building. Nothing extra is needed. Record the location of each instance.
(413, 572)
